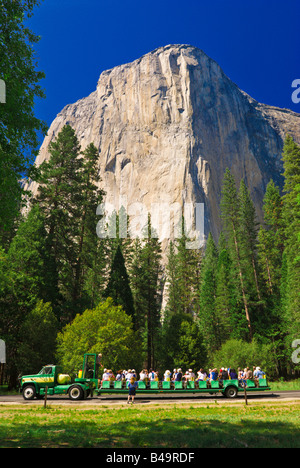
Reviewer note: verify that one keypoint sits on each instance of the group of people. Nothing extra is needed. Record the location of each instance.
(131, 377)
(177, 375)
(127, 375)
(242, 375)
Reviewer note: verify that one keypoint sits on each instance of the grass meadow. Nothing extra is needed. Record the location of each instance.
(205, 425)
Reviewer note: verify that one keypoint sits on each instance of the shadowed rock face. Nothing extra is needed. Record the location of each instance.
(169, 124)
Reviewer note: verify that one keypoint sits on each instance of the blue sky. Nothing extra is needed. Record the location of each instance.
(256, 42)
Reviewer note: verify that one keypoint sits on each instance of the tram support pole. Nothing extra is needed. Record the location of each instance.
(245, 392)
(45, 400)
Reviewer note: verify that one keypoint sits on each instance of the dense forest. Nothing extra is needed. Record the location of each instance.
(65, 291)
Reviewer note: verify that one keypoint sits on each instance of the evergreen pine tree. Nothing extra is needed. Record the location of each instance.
(183, 276)
(68, 196)
(137, 285)
(88, 198)
(248, 236)
(208, 322)
(146, 276)
(57, 197)
(291, 217)
(184, 345)
(118, 287)
(225, 301)
(271, 241)
(230, 212)
(33, 271)
(172, 282)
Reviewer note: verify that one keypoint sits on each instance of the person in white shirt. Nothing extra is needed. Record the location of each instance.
(201, 375)
(143, 375)
(105, 376)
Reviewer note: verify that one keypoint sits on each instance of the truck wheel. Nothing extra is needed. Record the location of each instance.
(231, 392)
(29, 392)
(76, 393)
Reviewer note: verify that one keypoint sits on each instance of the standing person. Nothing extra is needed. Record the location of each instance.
(132, 386)
(98, 364)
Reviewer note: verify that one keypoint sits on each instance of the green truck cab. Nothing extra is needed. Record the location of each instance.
(51, 379)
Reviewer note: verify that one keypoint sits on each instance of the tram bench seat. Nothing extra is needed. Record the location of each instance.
(106, 384)
(250, 383)
(214, 384)
(154, 385)
(202, 384)
(262, 382)
(190, 384)
(178, 385)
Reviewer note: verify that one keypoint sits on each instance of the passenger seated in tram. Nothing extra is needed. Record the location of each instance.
(223, 375)
(119, 376)
(189, 376)
(105, 376)
(144, 376)
(201, 375)
(213, 375)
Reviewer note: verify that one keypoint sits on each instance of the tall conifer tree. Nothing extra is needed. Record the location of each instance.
(291, 217)
(118, 287)
(225, 292)
(209, 324)
(230, 211)
(68, 196)
(271, 241)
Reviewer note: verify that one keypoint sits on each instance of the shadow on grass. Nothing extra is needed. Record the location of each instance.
(165, 433)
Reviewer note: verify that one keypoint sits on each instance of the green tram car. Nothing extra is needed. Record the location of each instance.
(50, 380)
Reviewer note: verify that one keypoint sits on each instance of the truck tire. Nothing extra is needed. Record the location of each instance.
(29, 392)
(76, 393)
(231, 392)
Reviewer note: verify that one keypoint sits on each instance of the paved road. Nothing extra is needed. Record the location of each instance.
(113, 400)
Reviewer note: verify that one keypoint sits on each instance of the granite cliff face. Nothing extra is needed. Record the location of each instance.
(169, 124)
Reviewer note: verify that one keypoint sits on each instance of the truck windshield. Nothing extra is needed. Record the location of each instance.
(46, 370)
